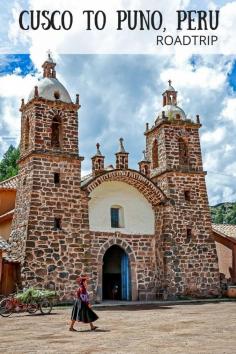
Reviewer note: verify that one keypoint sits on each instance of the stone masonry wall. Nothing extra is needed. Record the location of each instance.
(143, 263)
(52, 256)
(190, 260)
(167, 135)
(50, 234)
(21, 214)
(40, 114)
(189, 253)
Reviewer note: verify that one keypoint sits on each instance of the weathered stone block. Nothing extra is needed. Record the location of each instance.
(51, 268)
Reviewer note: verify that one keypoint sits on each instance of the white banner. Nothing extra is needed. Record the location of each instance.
(120, 27)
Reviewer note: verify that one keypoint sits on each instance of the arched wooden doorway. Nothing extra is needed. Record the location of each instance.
(116, 274)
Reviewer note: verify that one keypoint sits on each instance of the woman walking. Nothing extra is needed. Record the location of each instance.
(82, 311)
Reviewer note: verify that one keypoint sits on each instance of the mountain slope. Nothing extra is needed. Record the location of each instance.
(224, 213)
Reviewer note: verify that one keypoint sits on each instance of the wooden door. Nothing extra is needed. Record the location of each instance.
(10, 277)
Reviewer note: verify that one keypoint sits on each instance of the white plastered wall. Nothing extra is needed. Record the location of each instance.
(138, 213)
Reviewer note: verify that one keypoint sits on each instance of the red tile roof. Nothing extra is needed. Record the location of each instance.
(10, 183)
(225, 230)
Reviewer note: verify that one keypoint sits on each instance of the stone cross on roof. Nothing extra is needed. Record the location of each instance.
(49, 58)
(122, 149)
(98, 150)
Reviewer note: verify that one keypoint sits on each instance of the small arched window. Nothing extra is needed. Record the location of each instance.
(183, 152)
(146, 170)
(26, 134)
(164, 100)
(155, 162)
(117, 216)
(100, 164)
(56, 132)
(178, 116)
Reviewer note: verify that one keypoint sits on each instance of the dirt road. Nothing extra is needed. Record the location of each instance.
(199, 329)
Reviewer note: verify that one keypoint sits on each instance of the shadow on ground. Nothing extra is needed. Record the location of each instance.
(98, 330)
(132, 308)
(145, 307)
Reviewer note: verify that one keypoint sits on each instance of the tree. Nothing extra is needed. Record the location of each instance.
(8, 165)
(219, 217)
(231, 216)
(224, 213)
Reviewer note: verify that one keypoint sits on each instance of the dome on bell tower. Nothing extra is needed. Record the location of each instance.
(49, 87)
(170, 108)
(172, 112)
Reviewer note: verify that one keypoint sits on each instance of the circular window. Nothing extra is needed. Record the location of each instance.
(57, 95)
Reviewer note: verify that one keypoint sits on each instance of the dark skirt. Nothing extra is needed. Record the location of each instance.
(82, 313)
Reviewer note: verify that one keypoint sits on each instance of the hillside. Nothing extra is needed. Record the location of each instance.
(8, 164)
(224, 213)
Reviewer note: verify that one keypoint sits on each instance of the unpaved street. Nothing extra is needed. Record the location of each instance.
(199, 329)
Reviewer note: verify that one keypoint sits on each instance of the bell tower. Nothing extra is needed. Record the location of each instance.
(50, 222)
(174, 151)
(170, 95)
(49, 67)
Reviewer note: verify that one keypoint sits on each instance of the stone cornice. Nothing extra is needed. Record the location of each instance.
(52, 104)
(174, 123)
(181, 173)
(43, 153)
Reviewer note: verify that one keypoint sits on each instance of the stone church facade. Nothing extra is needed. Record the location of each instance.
(133, 233)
